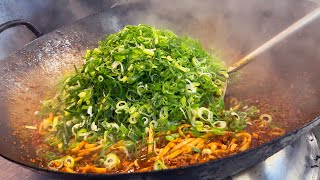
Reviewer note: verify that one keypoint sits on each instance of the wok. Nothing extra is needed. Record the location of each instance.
(29, 75)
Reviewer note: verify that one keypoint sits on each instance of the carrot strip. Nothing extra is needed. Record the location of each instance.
(144, 169)
(164, 150)
(211, 157)
(88, 146)
(50, 116)
(188, 148)
(255, 135)
(183, 143)
(150, 139)
(91, 149)
(95, 155)
(129, 167)
(78, 158)
(69, 170)
(85, 152)
(78, 147)
(200, 145)
(92, 169)
(40, 131)
(175, 153)
(195, 157)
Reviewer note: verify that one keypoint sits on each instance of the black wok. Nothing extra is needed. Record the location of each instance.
(29, 75)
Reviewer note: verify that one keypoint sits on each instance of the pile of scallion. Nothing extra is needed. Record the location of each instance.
(138, 78)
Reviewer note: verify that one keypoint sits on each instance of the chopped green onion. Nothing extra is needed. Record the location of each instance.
(94, 127)
(83, 133)
(194, 149)
(55, 164)
(159, 165)
(265, 117)
(100, 78)
(121, 105)
(89, 111)
(220, 124)
(148, 52)
(69, 162)
(172, 137)
(112, 161)
(205, 114)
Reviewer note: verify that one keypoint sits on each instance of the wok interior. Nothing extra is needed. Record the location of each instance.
(283, 80)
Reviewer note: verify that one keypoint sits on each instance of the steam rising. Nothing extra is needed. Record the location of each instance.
(287, 74)
(46, 15)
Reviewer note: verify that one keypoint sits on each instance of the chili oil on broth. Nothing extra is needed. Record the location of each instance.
(278, 94)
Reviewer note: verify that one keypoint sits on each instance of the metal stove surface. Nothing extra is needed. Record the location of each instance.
(295, 162)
